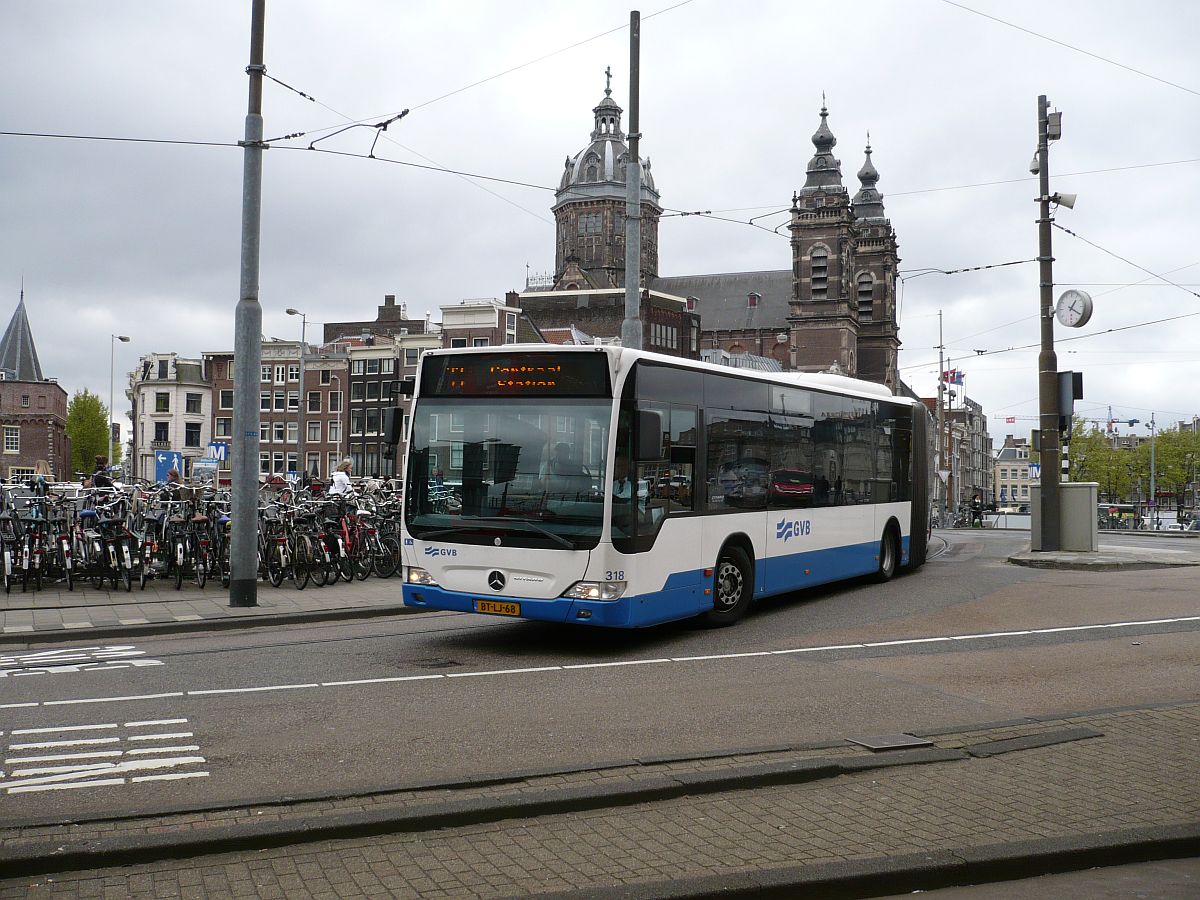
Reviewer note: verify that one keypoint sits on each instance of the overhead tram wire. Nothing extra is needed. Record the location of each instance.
(1123, 259)
(1097, 56)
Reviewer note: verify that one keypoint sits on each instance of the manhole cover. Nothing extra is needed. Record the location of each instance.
(890, 742)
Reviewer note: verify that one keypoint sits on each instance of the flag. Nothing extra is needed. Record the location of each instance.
(958, 376)
(1010, 420)
(952, 376)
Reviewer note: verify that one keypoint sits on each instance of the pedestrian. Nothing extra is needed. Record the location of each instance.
(340, 484)
(101, 477)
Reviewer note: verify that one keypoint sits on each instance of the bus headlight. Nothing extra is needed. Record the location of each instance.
(417, 575)
(595, 590)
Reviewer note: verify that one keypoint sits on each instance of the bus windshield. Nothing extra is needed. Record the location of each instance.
(523, 471)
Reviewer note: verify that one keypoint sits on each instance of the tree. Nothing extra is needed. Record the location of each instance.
(87, 427)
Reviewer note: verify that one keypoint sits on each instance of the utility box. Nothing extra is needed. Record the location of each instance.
(1079, 524)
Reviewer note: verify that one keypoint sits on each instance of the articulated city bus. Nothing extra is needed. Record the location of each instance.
(613, 487)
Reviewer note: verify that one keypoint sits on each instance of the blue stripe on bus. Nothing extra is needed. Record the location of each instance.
(681, 597)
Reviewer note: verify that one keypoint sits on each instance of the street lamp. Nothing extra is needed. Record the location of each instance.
(334, 376)
(1049, 129)
(300, 455)
(1153, 483)
(112, 359)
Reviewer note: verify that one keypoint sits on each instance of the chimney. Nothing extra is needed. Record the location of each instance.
(389, 299)
(512, 298)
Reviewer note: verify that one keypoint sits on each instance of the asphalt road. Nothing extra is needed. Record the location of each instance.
(237, 717)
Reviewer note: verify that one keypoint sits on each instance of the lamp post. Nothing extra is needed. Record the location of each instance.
(1153, 474)
(334, 376)
(112, 360)
(303, 465)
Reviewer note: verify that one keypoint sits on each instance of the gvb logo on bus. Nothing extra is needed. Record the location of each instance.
(787, 529)
(440, 551)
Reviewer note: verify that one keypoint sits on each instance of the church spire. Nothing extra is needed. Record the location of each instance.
(868, 202)
(18, 355)
(824, 170)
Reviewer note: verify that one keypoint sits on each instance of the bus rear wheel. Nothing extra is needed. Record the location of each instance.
(733, 588)
(889, 556)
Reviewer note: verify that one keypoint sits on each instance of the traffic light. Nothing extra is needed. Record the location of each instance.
(1070, 389)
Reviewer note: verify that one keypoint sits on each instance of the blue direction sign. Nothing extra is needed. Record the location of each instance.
(165, 461)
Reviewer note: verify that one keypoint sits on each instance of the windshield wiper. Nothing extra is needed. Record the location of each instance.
(502, 523)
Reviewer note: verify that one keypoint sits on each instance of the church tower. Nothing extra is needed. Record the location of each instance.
(874, 281)
(589, 209)
(823, 320)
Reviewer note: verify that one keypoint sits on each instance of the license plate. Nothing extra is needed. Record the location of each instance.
(498, 607)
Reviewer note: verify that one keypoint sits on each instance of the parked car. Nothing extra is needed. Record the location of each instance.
(1173, 526)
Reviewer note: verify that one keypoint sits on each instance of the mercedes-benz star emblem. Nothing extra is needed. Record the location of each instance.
(496, 581)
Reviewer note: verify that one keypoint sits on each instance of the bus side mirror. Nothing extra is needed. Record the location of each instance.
(408, 386)
(649, 435)
(393, 421)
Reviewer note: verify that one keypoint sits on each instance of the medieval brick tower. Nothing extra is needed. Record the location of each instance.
(589, 210)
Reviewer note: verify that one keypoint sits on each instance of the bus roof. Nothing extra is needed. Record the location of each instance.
(622, 358)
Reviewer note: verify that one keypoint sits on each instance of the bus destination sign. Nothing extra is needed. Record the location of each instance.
(516, 375)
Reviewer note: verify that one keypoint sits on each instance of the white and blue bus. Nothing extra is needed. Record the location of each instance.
(621, 488)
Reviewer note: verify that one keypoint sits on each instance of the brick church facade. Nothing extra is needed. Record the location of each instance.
(834, 308)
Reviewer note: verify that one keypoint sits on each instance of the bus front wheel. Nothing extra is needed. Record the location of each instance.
(733, 588)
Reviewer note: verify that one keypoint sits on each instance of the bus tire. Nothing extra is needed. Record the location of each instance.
(889, 555)
(733, 588)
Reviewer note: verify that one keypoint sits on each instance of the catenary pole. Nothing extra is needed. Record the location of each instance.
(631, 327)
(1047, 358)
(247, 341)
(943, 460)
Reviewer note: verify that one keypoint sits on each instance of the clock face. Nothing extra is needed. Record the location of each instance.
(1074, 309)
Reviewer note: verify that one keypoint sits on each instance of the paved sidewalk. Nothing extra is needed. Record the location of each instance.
(978, 803)
(57, 614)
(1113, 557)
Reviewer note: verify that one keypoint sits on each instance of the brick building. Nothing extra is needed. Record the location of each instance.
(33, 408)
(171, 410)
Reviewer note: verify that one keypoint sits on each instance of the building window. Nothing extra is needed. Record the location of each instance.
(335, 432)
(226, 399)
(387, 366)
(691, 304)
(820, 273)
(385, 391)
(264, 401)
(280, 374)
(293, 432)
(357, 390)
(356, 422)
(25, 400)
(373, 390)
(192, 403)
(264, 463)
(326, 376)
(458, 342)
(12, 439)
(278, 430)
(314, 432)
(411, 356)
(224, 427)
(314, 401)
(356, 367)
(162, 432)
(162, 402)
(293, 398)
(331, 460)
(294, 372)
(372, 421)
(163, 368)
(191, 434)
(312, 464)
(372, 366)
(479, 342)
(592, 223)
(277, 462)
(264, 432)
(866, 298)
(335, 401)
(752, 300)
(280, 400)
(264, 374)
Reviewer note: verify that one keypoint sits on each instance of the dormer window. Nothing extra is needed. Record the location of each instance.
(691, 304)
(752, 300)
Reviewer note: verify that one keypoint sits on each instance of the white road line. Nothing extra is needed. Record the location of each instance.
(160, 737)
(619, 663)
(170, 777)
(46, 745)
(79, 768)
(62, 728)
(380, 680)
(66, 787)
(134, 765)
(142, 751)
(270, 687)
(156, 722)
(109, 699)
(65, 756)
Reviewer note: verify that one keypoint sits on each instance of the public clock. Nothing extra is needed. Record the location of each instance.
(1074, 308)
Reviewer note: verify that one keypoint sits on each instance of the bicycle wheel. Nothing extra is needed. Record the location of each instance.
(317, 570)
(200, 566)
(177, 557)
(345, 565)
(26, 561)
(127, 578)
(360, 556)
(8, 574)
(275, 565)
(65, 562)
(98, 564)
(387, 556)
(301, 561)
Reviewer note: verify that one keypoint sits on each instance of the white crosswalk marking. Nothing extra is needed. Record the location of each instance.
(74, 660)
(121, 756)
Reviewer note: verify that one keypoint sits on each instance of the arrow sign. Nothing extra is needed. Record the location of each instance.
(165, 461)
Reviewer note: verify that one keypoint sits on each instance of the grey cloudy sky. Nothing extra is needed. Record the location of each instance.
(143, 238)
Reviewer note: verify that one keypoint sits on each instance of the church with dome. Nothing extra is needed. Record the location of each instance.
(833, 308)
